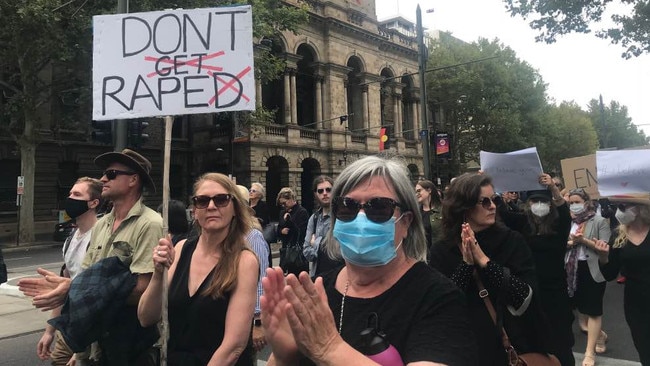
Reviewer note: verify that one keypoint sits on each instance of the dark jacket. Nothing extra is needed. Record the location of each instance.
(297, 225)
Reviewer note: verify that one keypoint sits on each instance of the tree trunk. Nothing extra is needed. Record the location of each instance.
(28, 169)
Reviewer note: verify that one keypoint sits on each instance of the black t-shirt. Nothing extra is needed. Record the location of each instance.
(423, 316)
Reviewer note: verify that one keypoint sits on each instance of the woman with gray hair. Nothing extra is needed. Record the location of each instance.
(385, 290)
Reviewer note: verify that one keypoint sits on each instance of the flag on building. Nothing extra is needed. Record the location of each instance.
(383, 139)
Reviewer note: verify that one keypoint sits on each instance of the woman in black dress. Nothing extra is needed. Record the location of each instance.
(430, 208)
(630, 252)
(545, 224)
(474, 243)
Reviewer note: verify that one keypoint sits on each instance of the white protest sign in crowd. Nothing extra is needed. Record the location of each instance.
(173, 62)
(514, 171)
(623, 172)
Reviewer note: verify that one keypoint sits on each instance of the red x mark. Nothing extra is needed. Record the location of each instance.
(192, 62)
(230, 85)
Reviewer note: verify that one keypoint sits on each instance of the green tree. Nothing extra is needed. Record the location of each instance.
(502, 98)
(555, 18)
(614, 127)
(567, 132)
(45, 56)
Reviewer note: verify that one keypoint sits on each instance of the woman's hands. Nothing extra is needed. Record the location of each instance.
(274, 319)
(469, 245)
(163, 254)
(296, 317)
(602, 248)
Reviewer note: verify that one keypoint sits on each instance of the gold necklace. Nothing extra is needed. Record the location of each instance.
(345, 293)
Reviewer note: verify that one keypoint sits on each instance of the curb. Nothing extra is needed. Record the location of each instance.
(28, 247)
(11, 290)
(606, 361)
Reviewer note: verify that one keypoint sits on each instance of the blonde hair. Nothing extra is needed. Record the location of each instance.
(224, 275)
(644, 216)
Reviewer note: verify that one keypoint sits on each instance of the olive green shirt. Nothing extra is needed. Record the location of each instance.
(133, 241)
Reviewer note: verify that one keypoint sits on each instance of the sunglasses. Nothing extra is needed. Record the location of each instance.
(321, 190)
(219, 200)
(113, 173)
(378, 209)
(577, 191)
(252, 190)
(622, 206)
(486, 202)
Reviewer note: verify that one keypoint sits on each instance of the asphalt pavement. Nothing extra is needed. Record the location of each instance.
(21, 323)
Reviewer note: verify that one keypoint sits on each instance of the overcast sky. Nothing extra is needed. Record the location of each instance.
(578, 67)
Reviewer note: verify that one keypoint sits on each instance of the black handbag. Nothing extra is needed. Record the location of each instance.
(292, 260)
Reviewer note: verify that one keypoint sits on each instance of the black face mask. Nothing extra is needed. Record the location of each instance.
(75, 208)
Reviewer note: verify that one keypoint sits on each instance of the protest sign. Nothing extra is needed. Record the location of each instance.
(514, 171)
(173, 62)
(623, 172)
(580, 172)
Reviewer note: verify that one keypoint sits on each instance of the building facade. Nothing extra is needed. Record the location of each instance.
(347, 76)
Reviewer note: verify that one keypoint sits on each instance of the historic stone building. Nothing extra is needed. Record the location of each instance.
(347, 76)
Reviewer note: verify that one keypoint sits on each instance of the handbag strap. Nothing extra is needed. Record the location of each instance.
(484, 294)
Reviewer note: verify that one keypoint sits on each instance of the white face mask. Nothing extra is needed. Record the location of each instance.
(577, 208)
(625, 217)
(540, 209)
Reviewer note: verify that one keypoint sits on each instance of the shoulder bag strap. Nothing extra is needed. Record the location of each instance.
(483, 294)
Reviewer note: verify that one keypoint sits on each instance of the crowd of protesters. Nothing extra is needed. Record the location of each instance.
(383, 271)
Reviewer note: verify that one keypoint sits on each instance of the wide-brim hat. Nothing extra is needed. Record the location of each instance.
(540, 194)
(133, 160)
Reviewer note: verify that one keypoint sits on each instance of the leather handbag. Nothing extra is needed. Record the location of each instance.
(292, 260)
(514, 359)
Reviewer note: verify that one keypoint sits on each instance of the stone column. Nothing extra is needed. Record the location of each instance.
(287, 98)
(258, 92)
(319, 100)
(364, 107)
(396, 115)
(294, 104)
(416, 121)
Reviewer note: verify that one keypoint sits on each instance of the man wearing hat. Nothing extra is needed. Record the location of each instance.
(130, 231)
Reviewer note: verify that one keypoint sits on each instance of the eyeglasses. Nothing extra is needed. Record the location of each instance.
(252, 190)
(486, 202)
(321, 190)
(219, 200)
(378, 209)
(113, 173)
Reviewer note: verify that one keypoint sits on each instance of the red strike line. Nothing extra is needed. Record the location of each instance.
(229, 85)
(192, 62)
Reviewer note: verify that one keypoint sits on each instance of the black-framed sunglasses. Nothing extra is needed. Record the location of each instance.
(623, 206)
(219, 200)
(321, 190)
(486, 202)
(113, 173)
(378, 209)
(578, 191)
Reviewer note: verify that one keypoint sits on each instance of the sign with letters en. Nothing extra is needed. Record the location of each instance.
(173, 62)
(513, 171)
(580, 172)
(623, 172)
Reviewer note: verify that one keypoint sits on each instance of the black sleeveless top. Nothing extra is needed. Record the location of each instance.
(196, 324)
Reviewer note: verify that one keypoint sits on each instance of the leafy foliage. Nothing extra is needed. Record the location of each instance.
(556, 18)
(614, 127)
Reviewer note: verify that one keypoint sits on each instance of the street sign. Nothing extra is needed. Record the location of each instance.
(20, 188)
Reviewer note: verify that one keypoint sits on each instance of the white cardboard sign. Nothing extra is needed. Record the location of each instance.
(513, 171)
(623, 172)
(173, 62)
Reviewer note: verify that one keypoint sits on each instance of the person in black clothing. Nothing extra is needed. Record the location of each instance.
(292, 226)
(630, 251)
(3, 269)
(430, 208)
(419, 312)
(475, 244)
(256, 195)
(545, 224)
(177, 220)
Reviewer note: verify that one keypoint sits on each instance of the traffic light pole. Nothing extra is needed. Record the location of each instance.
(121, 126)
(424, 134)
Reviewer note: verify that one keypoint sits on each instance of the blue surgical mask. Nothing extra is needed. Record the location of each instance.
(366, 243)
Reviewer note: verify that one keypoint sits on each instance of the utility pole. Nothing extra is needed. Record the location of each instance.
(424, 125)
(121, 126)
